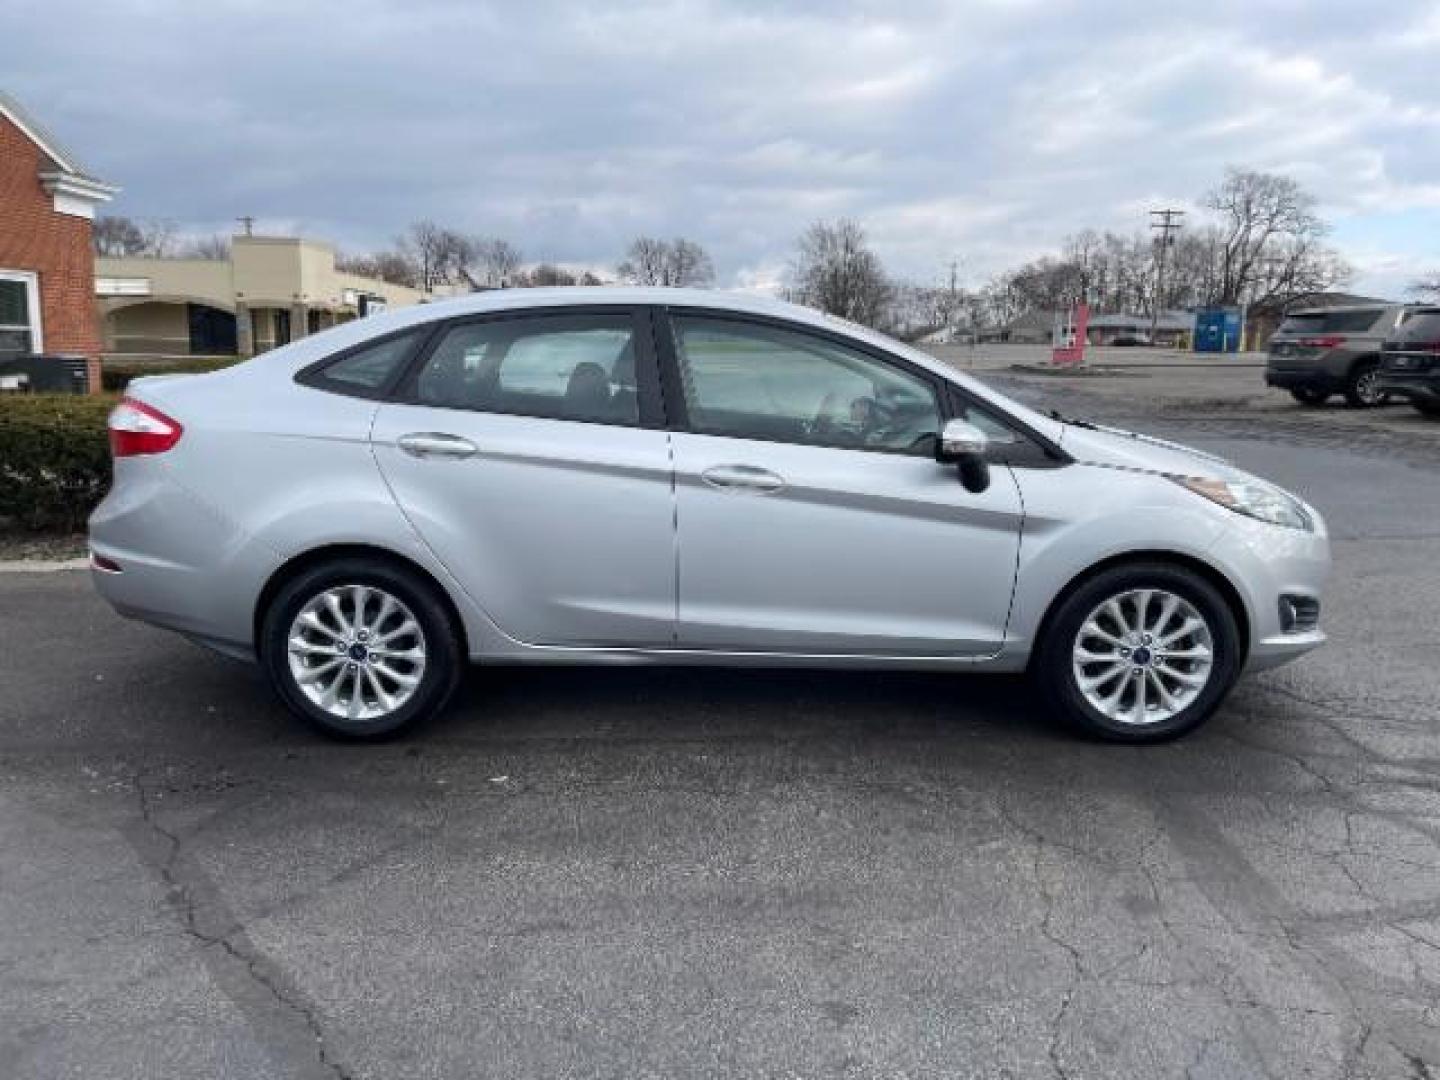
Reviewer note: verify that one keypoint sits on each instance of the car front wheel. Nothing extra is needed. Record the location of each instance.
(361, 648)
(1139, 654)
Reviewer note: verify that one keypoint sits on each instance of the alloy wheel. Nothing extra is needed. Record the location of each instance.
(1143, 656)
(357, 652)
(1367, 389)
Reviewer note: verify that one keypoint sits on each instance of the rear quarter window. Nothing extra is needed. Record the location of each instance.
(364, 371)
(1421, 326)
(1355, 321)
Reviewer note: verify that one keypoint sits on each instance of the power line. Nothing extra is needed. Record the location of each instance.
(1165, 222)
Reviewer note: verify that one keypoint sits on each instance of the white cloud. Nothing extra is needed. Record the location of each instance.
(982, 132)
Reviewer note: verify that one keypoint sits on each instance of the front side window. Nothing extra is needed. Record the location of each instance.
(750, 381)
(18, 306)
(561, 367)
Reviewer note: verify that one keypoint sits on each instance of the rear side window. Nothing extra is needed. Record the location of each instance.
(559, 367)
(365, 371)
(1350, 321)
(1421, 326)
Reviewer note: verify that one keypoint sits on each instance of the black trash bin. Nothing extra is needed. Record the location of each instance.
(50, 374)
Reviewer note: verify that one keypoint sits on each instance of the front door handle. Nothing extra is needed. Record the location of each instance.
(743, 478)
(436, 444)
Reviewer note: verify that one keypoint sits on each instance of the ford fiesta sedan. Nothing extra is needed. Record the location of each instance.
(663, 476)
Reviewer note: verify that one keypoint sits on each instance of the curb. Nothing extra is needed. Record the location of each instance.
(41, 566)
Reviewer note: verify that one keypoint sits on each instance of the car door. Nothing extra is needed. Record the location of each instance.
(529, 453)
(812, 516)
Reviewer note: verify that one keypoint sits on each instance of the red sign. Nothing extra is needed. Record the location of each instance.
(1069, 336)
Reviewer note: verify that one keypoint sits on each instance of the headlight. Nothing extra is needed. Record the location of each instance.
(1253, 499)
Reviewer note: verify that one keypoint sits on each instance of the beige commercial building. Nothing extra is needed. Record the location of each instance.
(270, 291)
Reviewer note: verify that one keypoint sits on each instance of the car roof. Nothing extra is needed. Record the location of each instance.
(1341, 307)
(577, 295)
(356, 331)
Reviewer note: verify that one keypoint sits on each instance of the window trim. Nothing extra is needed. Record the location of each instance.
(313, 375)
(949, 395)
(31, 282)
(647, 379)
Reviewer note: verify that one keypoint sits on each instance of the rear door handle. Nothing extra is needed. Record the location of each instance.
(436, 444)
(743, 478)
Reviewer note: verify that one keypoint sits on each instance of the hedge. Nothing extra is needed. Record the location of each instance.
(115, 375)
(54, 459)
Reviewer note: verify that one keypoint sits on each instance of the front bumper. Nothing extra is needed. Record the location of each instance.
(1266, 563)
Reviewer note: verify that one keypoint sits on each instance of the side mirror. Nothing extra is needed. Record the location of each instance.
(963, 444)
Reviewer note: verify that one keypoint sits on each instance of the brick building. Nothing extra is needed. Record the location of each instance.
(47, 264)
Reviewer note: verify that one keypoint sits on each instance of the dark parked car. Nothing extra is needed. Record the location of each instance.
(1411, 361)
(1335, 350)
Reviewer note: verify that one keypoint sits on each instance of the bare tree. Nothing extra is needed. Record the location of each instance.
(215, 248)
(1270, 239)
(1428, 287)
(674, 263)
(547, 274)
(159, 237)
(834, 270)
(393, 266)
(115, 235)
(496, 263)
(440, 255)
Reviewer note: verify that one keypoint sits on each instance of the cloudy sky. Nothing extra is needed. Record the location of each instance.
(980, 131)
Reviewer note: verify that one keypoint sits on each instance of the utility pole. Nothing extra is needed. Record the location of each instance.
(1165, 222)
(248, 224)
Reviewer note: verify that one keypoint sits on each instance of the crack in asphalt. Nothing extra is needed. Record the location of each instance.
(186, 890)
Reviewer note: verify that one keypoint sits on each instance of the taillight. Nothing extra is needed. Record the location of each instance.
(1328, 341)
(137, 428)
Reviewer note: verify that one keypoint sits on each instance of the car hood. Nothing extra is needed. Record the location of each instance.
(1116, 448)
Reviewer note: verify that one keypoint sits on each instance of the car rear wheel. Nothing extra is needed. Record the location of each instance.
(1427, 408)
(1363, 389)
(361, 648)
(1309, 395)
(1139, 654)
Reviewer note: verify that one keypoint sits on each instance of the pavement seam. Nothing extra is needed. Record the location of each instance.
(233, 943)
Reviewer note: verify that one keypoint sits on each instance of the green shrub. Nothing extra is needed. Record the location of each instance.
(54, 459)
(115, 375)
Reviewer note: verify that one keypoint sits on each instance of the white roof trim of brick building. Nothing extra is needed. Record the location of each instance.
(73, 189)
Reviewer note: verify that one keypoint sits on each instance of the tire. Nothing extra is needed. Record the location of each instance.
(1360, 389)
(1309, 395)
(1059, 664)
(1426, 408)
(411, 683)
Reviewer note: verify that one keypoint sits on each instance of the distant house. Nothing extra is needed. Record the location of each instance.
(1029, 328)
(47, 204)
(1264, 318)
(1172, 329)
(270, 291)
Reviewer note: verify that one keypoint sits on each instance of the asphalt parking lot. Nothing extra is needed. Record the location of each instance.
(609, 873)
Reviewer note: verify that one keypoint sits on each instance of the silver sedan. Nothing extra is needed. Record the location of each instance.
(663, 476)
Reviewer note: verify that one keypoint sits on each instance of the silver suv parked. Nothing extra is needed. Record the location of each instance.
(1334, 350)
